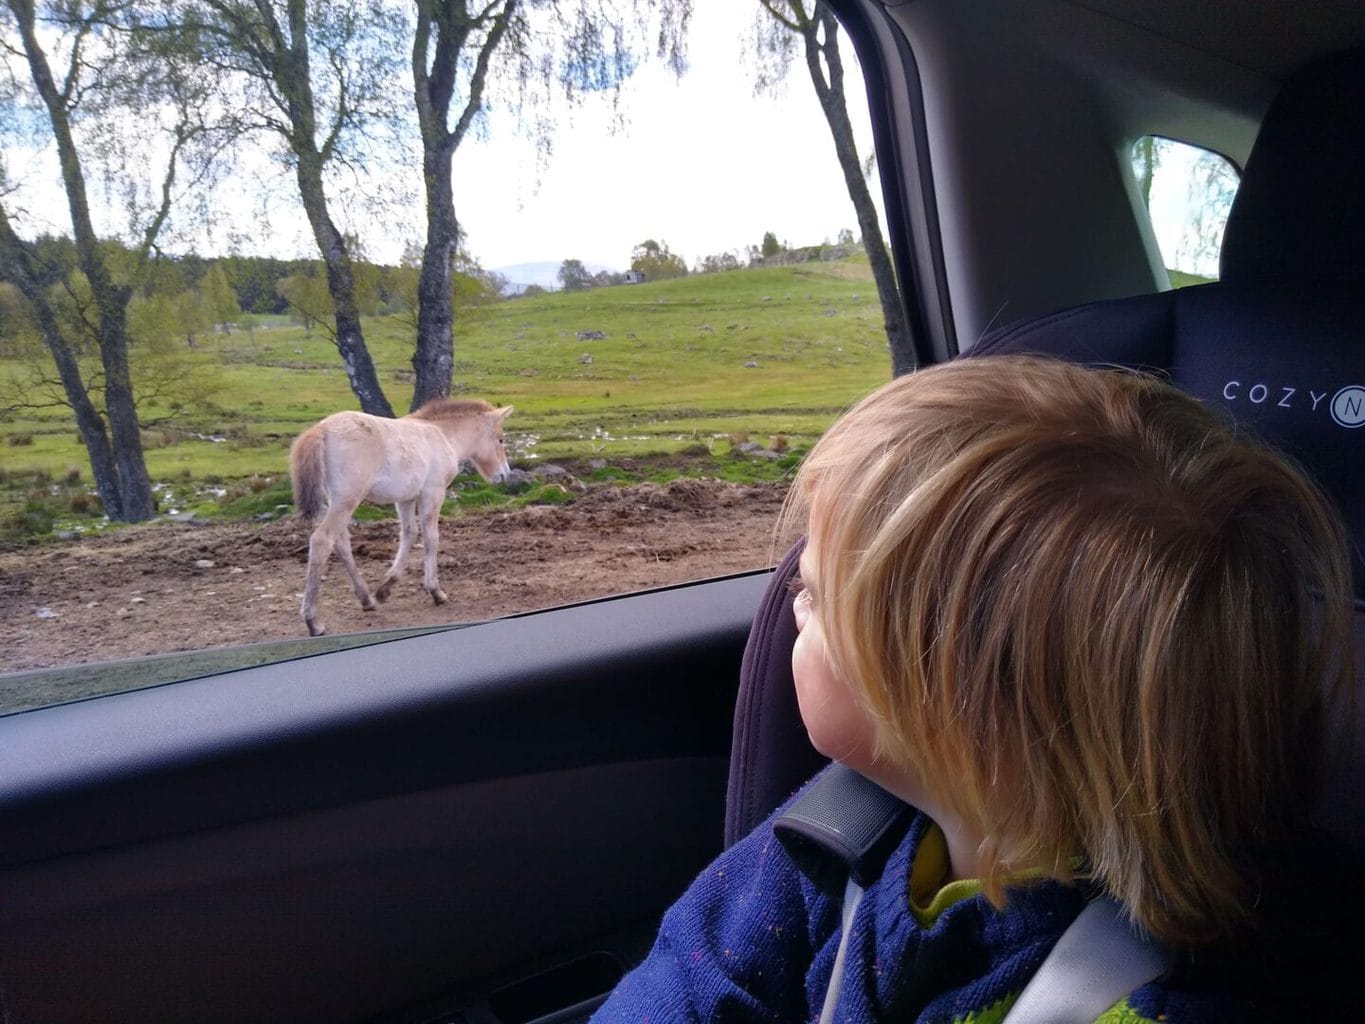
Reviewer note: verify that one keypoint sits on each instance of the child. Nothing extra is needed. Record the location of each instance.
(1084, 629)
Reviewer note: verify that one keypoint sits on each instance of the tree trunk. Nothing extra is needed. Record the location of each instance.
(350, 340)
(120, 408)
(433, 361)
(111, 300)
(831, 95)
(103, 466)
(1146, 162)
(434, 76)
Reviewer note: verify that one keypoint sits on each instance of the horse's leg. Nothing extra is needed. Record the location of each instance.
(320, 544)
(407, 533)
(362, 592)
(431, 515)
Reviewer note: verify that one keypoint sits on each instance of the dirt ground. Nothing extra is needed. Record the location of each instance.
(171, 586)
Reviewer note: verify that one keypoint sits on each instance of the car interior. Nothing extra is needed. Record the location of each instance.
(483, 824)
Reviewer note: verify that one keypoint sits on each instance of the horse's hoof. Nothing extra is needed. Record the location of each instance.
(367, 605)
(382, 594)
(316, 629)
(438, 597)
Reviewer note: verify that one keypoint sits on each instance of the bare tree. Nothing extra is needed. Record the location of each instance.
(528, 46)
(20, 267)
(779, 26)
(103, 68)
(319, 76)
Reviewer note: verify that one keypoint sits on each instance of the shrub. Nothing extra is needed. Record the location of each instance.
(18, 440)
(244, 499)
(232, 492)
(240, 437)
(34, 520)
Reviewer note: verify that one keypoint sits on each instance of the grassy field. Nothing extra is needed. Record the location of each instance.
(694, 367)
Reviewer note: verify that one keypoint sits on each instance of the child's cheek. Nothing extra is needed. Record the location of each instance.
(834, 722)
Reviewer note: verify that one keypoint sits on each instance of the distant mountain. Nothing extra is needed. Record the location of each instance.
(545, 274)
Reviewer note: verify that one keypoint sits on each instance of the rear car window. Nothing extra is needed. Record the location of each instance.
(1187, 192)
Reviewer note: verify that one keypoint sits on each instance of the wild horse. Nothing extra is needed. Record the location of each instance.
(351, 457)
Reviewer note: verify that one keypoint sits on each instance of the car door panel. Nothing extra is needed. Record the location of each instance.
(336, 837)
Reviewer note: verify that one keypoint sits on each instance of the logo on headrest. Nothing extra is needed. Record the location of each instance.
(1348, 406)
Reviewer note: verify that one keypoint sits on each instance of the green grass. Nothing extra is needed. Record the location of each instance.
(670, 376)
(1180, 279)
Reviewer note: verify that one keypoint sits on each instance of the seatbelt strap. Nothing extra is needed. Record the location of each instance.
(853, 895)
(839, 831)
(1100, 959)
(842, 828)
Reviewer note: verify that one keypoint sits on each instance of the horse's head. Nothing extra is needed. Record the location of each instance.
(488, 452)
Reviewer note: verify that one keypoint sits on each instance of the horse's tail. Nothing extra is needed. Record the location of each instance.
(306, 471)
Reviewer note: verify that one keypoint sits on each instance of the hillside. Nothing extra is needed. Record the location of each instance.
(702, 364)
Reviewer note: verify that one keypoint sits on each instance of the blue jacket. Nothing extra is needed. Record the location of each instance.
(754, 939)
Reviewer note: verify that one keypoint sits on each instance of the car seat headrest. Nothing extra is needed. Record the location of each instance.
(1300, 209)
(1277, 342)
(1289, 370)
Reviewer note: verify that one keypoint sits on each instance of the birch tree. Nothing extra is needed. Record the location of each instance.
(79, 66)
(781, 28)
(534, 50)
(320, 78)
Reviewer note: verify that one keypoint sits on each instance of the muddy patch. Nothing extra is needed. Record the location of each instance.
(167, 587)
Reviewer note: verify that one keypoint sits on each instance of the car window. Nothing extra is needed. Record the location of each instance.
(656, 265)
(1187, 192)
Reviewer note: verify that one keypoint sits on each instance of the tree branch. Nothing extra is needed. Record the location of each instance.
(829, 49)
(74, 66)
(771, 6)
(421, 42)
(277, 44)
(167, 183)
(478, 79)
(343, 113)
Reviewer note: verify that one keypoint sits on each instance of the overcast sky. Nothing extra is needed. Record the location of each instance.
(701, 164)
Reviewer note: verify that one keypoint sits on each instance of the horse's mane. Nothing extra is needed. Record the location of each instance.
(451, 408)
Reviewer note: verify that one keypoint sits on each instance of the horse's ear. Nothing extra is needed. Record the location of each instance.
(503, 413)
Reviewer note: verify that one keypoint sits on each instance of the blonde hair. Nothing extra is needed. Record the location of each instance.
(1094, 621)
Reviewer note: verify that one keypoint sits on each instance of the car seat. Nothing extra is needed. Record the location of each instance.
(1276, 342)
